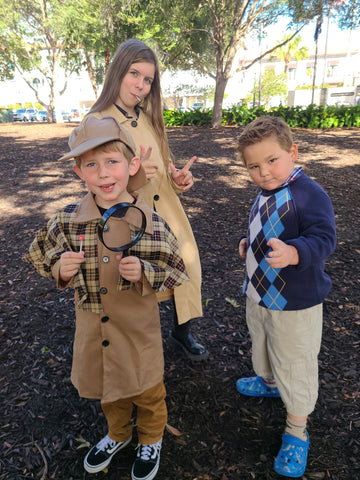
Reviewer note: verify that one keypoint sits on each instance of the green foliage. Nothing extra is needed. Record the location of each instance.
(95, 29)
(302, 10)
(7, 69)
(291, 49)
(272, 85)
(6, 115)
(32, 37)
(347, 13)
(296, 117)
(174, 118)
(242, 115)
(186, 34)
(206, 35)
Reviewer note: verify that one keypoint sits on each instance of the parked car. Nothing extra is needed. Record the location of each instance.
(35, 116)
(24, 114)
(72, 116)
(43, 116)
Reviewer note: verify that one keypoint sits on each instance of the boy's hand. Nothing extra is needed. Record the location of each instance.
(282, 254)
(242, 248)
(149, 166)
(129, 268)
(183, 177)
(70, 264)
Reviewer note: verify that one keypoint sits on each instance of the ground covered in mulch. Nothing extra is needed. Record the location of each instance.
(214, 433)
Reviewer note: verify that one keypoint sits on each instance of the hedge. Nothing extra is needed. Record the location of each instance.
(311, 116)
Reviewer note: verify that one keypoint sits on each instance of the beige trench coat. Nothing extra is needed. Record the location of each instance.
(161, 194)
(117, 353)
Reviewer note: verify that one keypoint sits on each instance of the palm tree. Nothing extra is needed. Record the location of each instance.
(290, 50)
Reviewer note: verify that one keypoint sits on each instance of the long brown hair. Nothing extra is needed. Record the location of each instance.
(129, 52)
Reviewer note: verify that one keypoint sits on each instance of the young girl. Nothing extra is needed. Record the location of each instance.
(132, 95)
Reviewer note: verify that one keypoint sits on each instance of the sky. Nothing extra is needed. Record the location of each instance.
(338, 40)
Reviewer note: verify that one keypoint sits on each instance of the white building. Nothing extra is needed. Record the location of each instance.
(77, 94)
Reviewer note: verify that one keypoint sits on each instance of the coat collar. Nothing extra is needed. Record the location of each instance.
(121, 118)
(88, 211)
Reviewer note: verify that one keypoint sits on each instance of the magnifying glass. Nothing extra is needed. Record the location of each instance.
(135, 217)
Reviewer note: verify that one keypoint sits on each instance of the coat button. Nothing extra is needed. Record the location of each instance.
(105, 319)
(103, 290)
(106, 259)
(105, 343)
(156, 198)
(134, 123)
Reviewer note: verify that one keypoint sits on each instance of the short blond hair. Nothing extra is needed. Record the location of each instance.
(261, 128)
(113, 146)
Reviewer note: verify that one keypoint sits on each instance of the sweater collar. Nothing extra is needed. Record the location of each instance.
(296, 173)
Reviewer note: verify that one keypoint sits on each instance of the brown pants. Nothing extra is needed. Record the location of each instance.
(151, 416)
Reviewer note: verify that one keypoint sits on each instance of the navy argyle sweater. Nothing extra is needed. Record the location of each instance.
(299, 213)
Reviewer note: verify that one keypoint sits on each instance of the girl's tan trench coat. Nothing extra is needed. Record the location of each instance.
(161, 194)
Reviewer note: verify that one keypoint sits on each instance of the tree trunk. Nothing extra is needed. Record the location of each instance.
(221, 82)
(91, 74)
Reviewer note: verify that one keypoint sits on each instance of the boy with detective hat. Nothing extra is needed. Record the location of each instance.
(118, 354)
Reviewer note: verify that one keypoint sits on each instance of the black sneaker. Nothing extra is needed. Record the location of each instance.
(147, 461)
(101, 454)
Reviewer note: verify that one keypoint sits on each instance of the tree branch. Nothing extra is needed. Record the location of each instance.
(269, 51)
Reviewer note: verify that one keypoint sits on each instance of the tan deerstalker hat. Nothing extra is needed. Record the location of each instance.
(95, 131)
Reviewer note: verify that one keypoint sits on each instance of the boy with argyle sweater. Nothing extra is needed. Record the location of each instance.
(291, 233)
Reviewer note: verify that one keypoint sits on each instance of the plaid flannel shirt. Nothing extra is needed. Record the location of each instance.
(159, 253)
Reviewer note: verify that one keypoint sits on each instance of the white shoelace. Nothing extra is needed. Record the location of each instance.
(147, 452)
(105, 442)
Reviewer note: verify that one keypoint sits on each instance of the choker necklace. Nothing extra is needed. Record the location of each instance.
(125, 113)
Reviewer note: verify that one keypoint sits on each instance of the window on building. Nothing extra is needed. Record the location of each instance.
(291, 73)
(332, 69)
(310, 67)
(310, 71)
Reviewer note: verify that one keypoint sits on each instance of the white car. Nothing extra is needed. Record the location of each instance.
(25, 114)
(73, 116)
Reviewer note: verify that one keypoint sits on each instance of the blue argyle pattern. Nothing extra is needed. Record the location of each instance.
(263, 283)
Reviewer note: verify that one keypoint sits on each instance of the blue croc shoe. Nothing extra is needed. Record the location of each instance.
(256, 387)
(292, 457)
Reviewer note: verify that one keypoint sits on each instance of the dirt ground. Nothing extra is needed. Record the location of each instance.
(214, 433)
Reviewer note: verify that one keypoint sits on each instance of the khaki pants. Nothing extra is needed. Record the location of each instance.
(285, 347)
(151, 416)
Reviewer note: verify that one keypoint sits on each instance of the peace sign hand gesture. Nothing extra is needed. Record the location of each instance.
(148, 165)
(183, 177)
